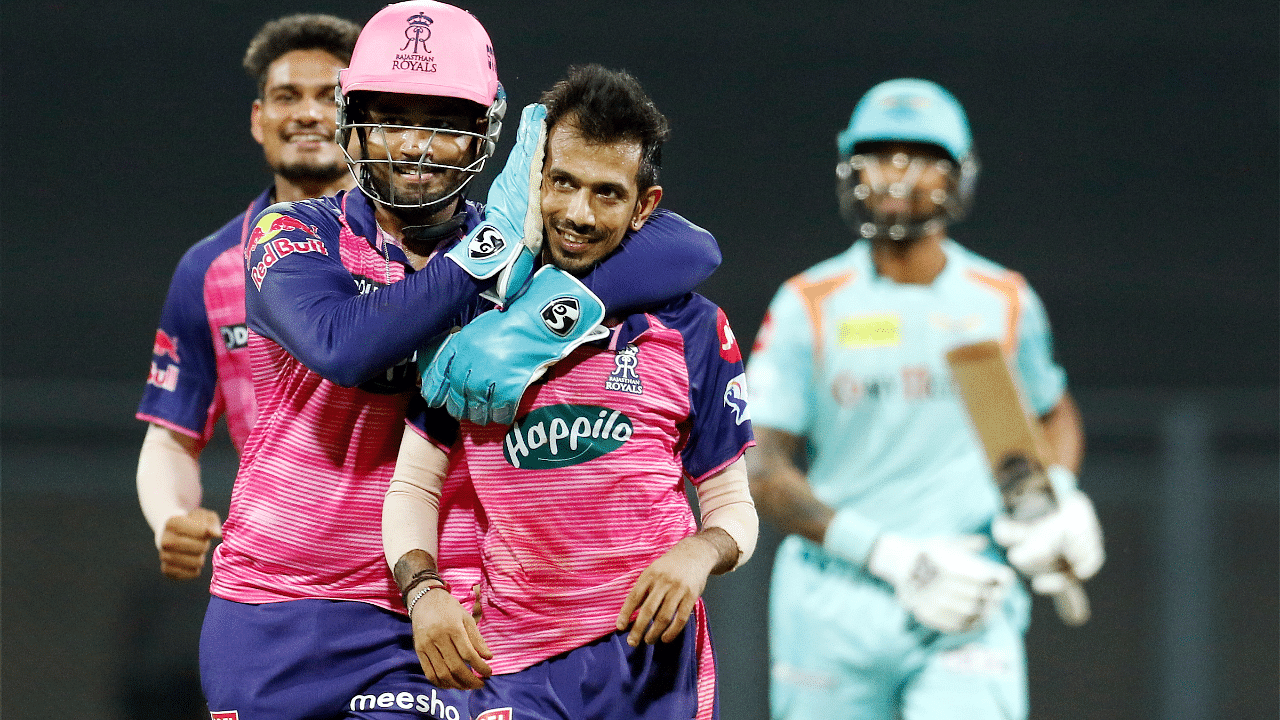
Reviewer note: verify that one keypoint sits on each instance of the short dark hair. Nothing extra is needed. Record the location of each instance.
(607, 106)
(304, 31)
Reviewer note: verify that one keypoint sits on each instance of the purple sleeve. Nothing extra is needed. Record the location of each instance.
(299, 294)
(184, 369)
(666, 258)
(720, 425)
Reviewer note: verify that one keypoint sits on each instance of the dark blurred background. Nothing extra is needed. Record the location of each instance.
(1130, 173)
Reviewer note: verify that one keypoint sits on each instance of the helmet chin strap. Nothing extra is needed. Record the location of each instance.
(420, 235)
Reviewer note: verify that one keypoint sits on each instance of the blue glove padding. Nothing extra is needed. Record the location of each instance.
(510, 237)
(481, 371)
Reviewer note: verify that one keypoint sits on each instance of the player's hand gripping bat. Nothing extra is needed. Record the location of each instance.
(1015, 448)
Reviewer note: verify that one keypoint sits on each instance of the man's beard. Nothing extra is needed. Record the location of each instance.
(428, 201)
(306, 173)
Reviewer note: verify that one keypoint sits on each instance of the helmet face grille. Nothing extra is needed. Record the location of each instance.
(368, 172)
(862, 185)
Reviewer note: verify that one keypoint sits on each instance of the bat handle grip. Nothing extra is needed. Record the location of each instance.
(1072, 604)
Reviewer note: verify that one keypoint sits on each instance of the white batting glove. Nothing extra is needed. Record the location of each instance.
(1071, 533)
(942, 581)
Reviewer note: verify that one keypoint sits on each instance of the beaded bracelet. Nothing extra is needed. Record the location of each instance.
(422, 592)
(418, 577)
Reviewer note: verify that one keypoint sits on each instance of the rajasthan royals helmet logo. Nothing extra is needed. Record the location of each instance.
(487, 243)
(561, 315)
(418, 33)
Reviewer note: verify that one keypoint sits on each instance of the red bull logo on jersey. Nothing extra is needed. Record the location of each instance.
(273, 250)
(165, 379)
(558, 436)
(272, 224)
(165, 344)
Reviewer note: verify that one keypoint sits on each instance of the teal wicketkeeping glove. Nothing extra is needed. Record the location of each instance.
(510, 237)
(481, 371)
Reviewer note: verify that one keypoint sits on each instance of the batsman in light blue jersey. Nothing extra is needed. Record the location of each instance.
(889, 599)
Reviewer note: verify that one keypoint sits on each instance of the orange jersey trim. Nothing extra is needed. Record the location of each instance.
(813, 294)
(1008, 287)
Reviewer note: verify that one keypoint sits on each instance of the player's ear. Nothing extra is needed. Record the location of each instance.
(645, 205)
(255, 122)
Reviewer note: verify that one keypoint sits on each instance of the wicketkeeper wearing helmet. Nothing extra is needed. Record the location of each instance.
(889, 599)
(305, 619)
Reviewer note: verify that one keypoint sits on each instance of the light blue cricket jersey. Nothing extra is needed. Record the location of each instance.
(855, 364)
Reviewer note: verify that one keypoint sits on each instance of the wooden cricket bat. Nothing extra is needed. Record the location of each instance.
(1015, 447)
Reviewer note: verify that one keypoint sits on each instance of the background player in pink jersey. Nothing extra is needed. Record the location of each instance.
(593, 564)
(200, 361)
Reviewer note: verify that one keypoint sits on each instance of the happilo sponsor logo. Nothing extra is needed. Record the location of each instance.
(557, 436)
(433, 705)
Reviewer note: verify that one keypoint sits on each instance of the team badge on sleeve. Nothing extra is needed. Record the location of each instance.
(735, 398)
(728, 343)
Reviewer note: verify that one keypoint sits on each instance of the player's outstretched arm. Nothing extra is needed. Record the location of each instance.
(445, 637)
(666, 258)
(481, 373)
(169, 492)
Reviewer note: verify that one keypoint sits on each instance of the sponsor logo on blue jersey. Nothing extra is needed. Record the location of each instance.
(433, 705)
(235, 336)
(558, 436)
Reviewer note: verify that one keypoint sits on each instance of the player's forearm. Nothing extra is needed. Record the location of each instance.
(724, 546)
(724, 500)
(781, 492)
(664, 259)
(318, 315)
(168, 477)
(411, 507)
(1064, 431)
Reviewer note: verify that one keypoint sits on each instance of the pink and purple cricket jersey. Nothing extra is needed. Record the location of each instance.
(586, 489)
(200, 358)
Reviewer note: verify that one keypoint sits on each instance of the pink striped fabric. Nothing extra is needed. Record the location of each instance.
(565, 544)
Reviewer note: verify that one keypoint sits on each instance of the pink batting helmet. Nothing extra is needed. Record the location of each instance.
(422, 47)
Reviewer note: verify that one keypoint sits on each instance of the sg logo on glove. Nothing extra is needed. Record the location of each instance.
(561, 315)
(487, 243)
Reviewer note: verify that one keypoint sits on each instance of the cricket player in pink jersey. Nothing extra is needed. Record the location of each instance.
(593, 564)
(200, 359)
(305, 619)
